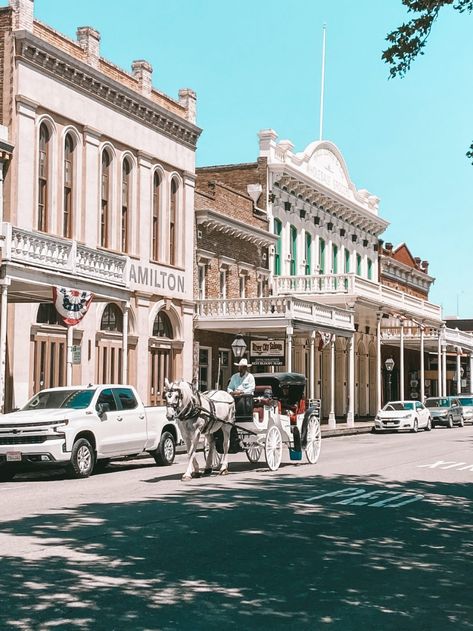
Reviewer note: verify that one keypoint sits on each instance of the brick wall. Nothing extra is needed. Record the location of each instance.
(238, 176)
(5, 27)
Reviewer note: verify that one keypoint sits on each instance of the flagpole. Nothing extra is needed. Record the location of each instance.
(70, 333)
(322, 86)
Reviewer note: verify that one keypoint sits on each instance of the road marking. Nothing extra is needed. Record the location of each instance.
(449, 464)
(354, 496)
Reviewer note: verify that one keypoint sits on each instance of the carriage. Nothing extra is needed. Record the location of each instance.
(277, 414)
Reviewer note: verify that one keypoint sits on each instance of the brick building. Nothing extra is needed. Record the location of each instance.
(99, 197)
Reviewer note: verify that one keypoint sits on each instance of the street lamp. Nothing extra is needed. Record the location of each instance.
(389, 364)
(238, 347)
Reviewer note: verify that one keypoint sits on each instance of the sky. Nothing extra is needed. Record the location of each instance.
(256, 64)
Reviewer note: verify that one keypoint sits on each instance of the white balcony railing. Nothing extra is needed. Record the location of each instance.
(350, 284)
(274, 308)
(62, 255)
(448, 337)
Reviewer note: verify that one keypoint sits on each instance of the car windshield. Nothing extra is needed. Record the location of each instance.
(53, 399)
(437, 403)
(393, 406)
(466, 400)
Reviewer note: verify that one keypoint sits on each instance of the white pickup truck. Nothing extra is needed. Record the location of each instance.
(84, 428)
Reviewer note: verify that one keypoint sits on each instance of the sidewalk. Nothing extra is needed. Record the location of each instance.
(362, 426)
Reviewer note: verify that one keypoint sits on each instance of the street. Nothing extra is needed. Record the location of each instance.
(377, 535)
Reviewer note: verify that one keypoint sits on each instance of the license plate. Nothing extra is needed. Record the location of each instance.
(13, 456)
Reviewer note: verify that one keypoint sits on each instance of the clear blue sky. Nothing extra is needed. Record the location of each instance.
(256, 64)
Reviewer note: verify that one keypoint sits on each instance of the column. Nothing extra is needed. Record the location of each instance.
(70, 334)
(289, 332)
(470, 389)
(459, 377)
(378, 361)
(124, 375)
(444, 370)
(401, 363)
(312, 366)
(422, 368)
(3, 342)
(351, 382)
(439, 365)
(332, 423)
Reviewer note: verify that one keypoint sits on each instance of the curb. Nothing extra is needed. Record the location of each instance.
(345, 431)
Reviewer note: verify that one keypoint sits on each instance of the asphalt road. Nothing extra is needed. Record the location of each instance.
(376, 535)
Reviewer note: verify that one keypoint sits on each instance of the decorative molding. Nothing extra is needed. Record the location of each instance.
(218, 222)
(63, 67)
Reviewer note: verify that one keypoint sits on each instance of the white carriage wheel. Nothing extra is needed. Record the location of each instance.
(273, 448)
(314, 439)
(253, 453)
(217, 458)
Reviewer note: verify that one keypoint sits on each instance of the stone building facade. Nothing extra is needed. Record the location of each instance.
(99, 197)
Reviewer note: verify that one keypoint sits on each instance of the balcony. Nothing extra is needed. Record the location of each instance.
(336, 288)
(269, 312)
(38, 250)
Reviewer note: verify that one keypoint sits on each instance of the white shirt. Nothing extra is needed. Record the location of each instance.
(244, 384)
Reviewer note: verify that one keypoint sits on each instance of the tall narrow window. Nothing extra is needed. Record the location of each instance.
(370, 269)
(43, 177)
(293, 251)
(172, 223)
(223, 284)
(202, 271)
(277, 249)
(322, 256)
(125, 219)
(242, 287)
(156, 216)
(347, 261)
(105, 200)
(335, 258)
(308, 253)
(68, 183)
(358, 264)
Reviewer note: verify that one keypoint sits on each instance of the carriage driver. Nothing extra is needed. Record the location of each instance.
(242, 382)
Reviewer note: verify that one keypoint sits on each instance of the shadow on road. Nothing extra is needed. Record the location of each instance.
(255, 556)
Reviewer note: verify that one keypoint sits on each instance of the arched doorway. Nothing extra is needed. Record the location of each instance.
(362, 379)
(109, 345)
(372, 384)
(164, 351)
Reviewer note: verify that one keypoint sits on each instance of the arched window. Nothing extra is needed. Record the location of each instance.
(43, 177)
(126, 198)
(322, 256)
(156, 216)
(308, 253)
(293, 251)
(172, 222)
(277, 251)
(68, 187)
(162, 326)
(47, 314)
(112, 319)
(105, 200)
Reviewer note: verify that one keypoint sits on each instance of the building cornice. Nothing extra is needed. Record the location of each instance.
(234, 228)
(65, 68)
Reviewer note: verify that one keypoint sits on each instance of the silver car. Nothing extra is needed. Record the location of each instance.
(445, 411)
(466, 401)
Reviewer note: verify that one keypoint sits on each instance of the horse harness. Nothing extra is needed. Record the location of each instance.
(193, 411)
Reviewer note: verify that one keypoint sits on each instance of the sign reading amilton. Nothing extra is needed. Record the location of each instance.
(267, 352)
(152, 277)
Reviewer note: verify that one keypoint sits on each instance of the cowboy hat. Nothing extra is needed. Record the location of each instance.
(243, 363)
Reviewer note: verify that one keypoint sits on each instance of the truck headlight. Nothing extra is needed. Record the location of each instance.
(60, 425)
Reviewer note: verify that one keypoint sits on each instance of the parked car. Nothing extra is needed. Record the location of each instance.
(397, 415)
(466, 401)
(82, 428)
(445, 411)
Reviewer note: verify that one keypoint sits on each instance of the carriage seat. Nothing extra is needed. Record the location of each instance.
(263, 396)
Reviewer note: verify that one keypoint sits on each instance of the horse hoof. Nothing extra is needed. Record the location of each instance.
(224, 472)
(207, 471)
(186, 477)
(195, 474)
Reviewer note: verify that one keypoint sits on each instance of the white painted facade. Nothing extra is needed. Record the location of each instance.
(64, 87)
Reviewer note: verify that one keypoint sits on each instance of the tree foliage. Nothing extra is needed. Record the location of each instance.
(409, 39)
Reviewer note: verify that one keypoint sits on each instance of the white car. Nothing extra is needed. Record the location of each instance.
(397, 415)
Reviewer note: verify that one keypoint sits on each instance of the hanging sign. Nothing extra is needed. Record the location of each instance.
(267, 352)
(71, 304)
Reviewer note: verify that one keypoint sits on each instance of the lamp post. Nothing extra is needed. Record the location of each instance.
(389, 364)
(238, 346)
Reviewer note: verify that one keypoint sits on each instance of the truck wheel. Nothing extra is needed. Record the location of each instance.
(82, 459)
(6, 473)
(164, 454)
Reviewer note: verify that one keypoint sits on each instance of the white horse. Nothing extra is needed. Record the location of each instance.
(200, 414)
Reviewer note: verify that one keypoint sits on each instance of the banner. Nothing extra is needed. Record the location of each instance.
(71, 304)
(324, 339)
